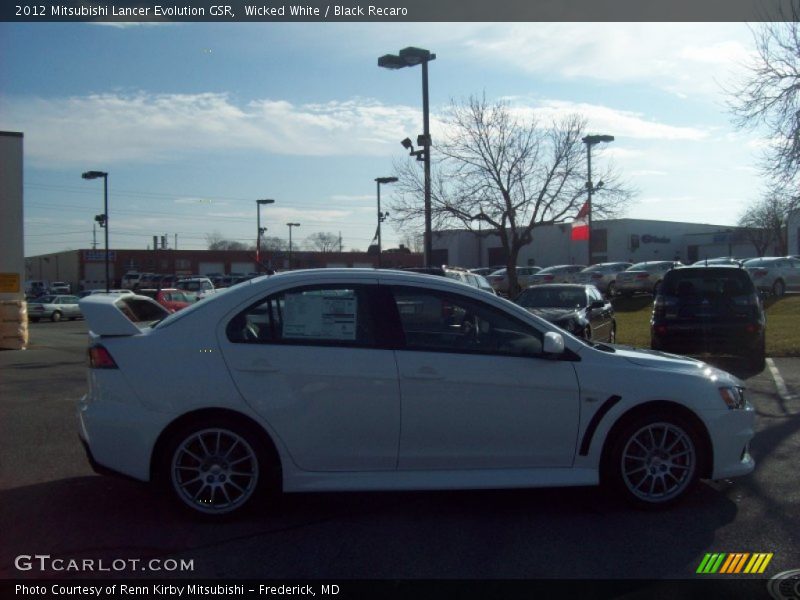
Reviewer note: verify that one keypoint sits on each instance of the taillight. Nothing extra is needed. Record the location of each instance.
(642, 275)
(549, 277)
(660, 329)
(760, 273)
(100, 358)
(660, 306)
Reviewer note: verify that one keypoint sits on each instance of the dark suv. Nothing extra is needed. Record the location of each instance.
(713, 309)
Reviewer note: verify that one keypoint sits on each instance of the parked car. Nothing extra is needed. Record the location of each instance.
(131, 279)
(170, 298)
(201, 286)
(775, 274)
(713, 309)
(720, 260)
(54, 307)
(643, 277)
(499, 279)
(579, 309)
(557, 274)
(483, 271)
(35, 288)
(335, 386)
(603, 276)
(60, 288)
(454, 273)
(147, 281)
(85, 293)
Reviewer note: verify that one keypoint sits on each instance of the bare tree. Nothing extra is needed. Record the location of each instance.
(770, 95)
(499, 174)
(414, 241)
(274, 244)
(766, 219)
(322, 242)
(215, 241)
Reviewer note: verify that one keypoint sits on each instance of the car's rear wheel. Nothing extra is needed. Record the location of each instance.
(612, 290)
(216, 466)
(654, 460)
(778, 288)
(56, 316)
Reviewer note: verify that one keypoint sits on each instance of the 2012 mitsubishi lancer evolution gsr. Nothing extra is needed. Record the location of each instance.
(351, 379)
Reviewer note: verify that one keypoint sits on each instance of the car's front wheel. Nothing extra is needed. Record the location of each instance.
(56, 316)
(654, 460)
(215, 467)
(778, 288)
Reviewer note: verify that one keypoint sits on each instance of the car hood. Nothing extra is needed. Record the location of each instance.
(554, 314)
(673, 362)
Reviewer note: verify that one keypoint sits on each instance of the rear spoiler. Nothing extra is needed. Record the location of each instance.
(121, 315)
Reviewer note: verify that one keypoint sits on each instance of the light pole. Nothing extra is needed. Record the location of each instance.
(408, 57)
(259, 204)
(291, 225)
(102, 219)
(591, 140)
(381, 216)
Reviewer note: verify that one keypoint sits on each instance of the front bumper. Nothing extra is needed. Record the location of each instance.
(731, 432)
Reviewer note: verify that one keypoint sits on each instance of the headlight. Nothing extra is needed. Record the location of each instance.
(733, 396)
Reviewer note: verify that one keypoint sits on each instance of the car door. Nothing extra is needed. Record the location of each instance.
(600, 318)
(793, 275)
(308, 360)
(476, 390)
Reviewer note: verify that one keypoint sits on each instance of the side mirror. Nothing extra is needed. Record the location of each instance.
(597, 304)
(553, 343)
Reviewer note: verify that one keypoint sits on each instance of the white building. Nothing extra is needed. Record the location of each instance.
(632, 240)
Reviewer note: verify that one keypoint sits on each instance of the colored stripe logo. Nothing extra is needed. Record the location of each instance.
(734, 563)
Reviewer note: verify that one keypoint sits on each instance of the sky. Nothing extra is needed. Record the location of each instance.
(195, 121)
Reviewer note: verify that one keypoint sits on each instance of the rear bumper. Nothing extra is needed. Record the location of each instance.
(634, 286)
(703, 337)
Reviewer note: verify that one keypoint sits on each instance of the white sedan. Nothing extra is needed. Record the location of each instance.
(349, 379)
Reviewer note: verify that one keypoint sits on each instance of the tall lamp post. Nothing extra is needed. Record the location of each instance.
(591, 140)
(261, 230)
(381, 215)
(409, 57)
(291, 225)
(102, 219)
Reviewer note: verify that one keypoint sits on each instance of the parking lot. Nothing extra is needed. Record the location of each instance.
(52, 503)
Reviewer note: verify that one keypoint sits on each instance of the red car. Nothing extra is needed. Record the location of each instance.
(170, 298)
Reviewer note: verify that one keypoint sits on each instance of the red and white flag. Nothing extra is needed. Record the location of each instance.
(580, 226)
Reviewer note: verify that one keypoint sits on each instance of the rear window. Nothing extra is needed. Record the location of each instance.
(708, 283)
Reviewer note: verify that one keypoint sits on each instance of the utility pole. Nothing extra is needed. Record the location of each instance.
(94, 236)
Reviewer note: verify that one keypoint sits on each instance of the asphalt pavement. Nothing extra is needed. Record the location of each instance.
(52, 503)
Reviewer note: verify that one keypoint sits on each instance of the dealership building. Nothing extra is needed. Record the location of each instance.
(85, 269)
(631, 240)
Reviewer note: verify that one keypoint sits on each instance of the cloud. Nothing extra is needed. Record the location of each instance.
(145, 128)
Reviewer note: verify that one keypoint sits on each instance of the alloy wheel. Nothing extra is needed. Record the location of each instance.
(214, 471)
(658, 462)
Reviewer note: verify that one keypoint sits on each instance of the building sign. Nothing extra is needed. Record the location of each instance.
(654, 239)
(9, 283)
(99, 255)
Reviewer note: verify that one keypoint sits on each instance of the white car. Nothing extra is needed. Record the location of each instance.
(347, 379)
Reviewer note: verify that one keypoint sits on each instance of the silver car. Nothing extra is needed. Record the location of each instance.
(644, 277)
(557, 274)
(499, 279)
(54, 308)
(775, 274)
(603, 276)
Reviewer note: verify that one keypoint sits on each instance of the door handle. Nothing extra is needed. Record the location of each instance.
(425, 373)
(259, 365)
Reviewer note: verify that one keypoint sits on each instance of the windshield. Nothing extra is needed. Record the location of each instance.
(46, 299)
(192, 286)
(537, 297)
(708, 284)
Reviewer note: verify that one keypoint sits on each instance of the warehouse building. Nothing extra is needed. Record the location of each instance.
(632, 240)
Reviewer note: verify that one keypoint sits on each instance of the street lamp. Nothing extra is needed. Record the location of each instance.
(591, 140)
(102, 219)
(409, 57)
(381, 215)
(261, 230)
(291, 225)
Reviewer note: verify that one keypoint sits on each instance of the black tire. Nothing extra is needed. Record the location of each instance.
(33, 319)
(236, 471)
(778, 288)
(758, 361)
(55, 317)
(611, 290)
(648, 473)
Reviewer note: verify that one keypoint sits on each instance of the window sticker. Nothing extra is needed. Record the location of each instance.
(329, 315)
